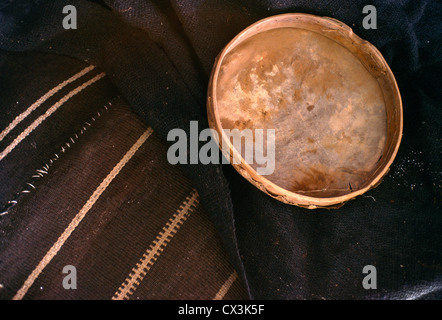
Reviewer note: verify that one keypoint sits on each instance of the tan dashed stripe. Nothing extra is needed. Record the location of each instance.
(50, 111)
(80, 215)
(140, 270)
(40, 101)
(226, 286)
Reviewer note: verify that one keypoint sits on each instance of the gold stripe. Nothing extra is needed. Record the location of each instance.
(226, 286)
(40, 101)
(50, 111)
(138, 273)
(80, 215)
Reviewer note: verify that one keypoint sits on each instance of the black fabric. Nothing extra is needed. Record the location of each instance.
(19, 77)
(159, 55)
(49, 177)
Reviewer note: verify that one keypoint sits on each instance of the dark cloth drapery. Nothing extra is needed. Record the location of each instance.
(159, 55)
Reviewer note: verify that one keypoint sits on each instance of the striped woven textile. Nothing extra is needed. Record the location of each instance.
(84, 183)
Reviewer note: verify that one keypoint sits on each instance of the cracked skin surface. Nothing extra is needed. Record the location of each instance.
(327, 109)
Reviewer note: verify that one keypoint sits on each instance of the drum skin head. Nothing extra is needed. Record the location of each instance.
(330, 97)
